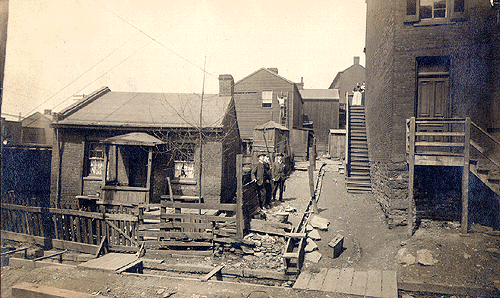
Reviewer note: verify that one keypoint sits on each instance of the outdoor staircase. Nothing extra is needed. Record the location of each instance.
(487, 172)
(358, 178)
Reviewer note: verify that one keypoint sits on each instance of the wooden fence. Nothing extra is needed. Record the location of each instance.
(180, 222)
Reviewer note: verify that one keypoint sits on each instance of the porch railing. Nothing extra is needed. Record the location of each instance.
(448, 142)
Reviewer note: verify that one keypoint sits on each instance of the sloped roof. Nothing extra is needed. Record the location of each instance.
(271, 125)
(319, 94)
(134, 138)
(269, 71)
(138, 109)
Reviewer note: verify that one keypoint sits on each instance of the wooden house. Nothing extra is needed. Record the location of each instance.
(322, 109)
(132, 148)
(271, 138)
(266, 96)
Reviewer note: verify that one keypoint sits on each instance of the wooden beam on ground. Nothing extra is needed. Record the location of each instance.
(217, 271)
(102, 247)
(75, 246)
(15, 251)
(57, 254)
(269, 227)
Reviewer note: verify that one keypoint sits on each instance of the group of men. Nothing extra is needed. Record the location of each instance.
(269, 178)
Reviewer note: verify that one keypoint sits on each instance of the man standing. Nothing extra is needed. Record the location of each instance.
(259, 176)
(278, 176)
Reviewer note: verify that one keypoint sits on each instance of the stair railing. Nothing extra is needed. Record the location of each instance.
(485, 144)
(347, 134)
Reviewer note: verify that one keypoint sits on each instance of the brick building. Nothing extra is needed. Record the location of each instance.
(125, 146)
(264, 96)
(425, 59)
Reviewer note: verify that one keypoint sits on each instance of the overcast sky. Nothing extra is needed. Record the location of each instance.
(59, 48)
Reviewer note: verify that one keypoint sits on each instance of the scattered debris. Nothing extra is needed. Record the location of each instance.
(466, 255)
(424, 257)
(404, 257)
(310, 246)
(319, 222)
(314, 235)
(313, 257)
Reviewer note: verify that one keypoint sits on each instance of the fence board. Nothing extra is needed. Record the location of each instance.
(224, 207)
(198, 216)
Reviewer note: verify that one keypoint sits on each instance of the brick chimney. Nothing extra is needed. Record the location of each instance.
(47, 112)
(273, 69)
(300, 85)
(356, 60)
(226, 85)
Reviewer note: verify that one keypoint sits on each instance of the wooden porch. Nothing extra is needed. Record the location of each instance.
(457, 142)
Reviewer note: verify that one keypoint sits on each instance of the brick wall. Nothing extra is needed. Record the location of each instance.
(392, 47)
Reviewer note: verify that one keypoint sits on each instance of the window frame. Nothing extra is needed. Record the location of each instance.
(456, 11)
(184, 154)
(94, 146)
(267, 102)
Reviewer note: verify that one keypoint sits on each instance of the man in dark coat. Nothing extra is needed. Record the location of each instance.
(259, 176)
(278, 176)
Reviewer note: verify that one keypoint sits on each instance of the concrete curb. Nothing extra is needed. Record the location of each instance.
(447, 289)
(29, 290)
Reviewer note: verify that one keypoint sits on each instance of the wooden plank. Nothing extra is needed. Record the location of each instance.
(345, 280)
(269, 226)
(438, 144)
(76, 213)
(303, 280)
(127, 217)
(240, 221)
(21, 208)
(411, 171)
(217, 271)
(173, 225)
(331, 280)
(137, 263)
(174, 234)
(197, 216)
(109, 262)
(26, 289)
(157, 243)
(77, 226)
(358, 285)
(389, 284)
(212, 206)
(317, 279)
(465, 179)
(448, 134)
(74, 246)
(14, 251)
(374, 283)
(26, 238)
(51, 255)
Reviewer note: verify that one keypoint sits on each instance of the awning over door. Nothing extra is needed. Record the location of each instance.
(134, 139)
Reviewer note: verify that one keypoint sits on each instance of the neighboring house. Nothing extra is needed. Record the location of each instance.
(26, 157)
(124, 147)
(432, 60)
(264, 96)
(36, 129)
(346, 81)
(322, 109)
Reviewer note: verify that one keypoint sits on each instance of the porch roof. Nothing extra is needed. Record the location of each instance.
(134, 139)
(271, 125)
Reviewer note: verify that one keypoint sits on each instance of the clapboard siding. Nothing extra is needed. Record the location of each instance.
(248, 99)
(325, 115)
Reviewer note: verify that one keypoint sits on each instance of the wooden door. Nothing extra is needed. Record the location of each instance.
(433, 102)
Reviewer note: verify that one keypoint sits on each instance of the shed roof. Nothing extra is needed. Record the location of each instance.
(139, 109)
(271, 125)
(319, 94)
(134, 139)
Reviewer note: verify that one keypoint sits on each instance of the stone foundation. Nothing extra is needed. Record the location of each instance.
(390, 189)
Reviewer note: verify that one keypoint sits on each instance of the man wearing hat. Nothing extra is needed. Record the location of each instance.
(258, 176)
(278, 176)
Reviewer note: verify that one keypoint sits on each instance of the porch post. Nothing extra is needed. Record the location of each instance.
(411, 165)
(148, 177)
(465, 177)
